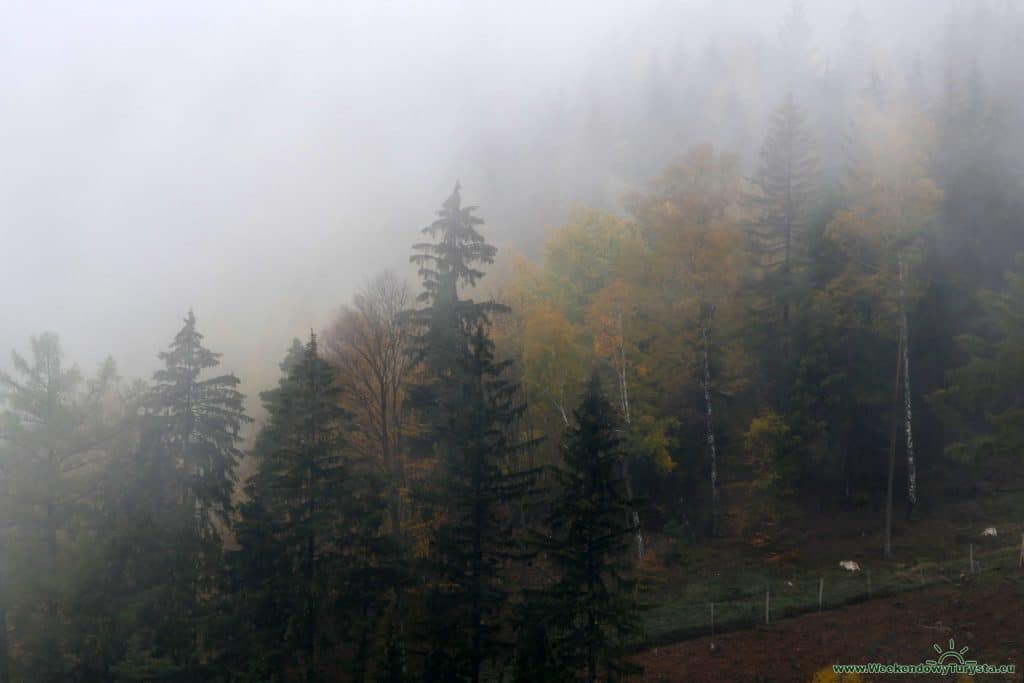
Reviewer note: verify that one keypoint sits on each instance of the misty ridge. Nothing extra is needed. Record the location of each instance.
(496, 341)
(145, 137)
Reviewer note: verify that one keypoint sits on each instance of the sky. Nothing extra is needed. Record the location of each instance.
(257, 161)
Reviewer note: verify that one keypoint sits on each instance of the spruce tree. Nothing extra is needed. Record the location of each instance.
(589, 613)
(445, 322)
(471, 408)
(296, 490)
(313, 562)
(780, 239)
(200, 419)
(784, 205)
(192, 437)
(54, 436)
(474, 497)
(259, 583)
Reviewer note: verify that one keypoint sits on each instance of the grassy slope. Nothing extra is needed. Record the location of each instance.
(734, 573)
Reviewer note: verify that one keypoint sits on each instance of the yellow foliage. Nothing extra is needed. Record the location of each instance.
(609, 315)
(827, 675)
(554, 363)
(764, 442)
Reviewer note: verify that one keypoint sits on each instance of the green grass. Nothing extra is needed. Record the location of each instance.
(735, 577)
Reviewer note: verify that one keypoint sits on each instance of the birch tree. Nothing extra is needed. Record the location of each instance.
(553, 359)
(893, 201)
(689, 221)
(610, 315)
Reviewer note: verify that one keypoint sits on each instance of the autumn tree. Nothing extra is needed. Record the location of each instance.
(369, 343)
(689, 222)
(553, 358)
(555, 315)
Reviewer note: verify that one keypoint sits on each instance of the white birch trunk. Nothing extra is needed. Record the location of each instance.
(887, 549)
(620, 371)
(710, 429)
(907, 415)
(623, 386)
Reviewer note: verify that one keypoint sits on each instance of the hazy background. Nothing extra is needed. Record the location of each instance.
(256, 160)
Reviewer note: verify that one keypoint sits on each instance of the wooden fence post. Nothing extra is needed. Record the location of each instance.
(821, 590)
(767, 606)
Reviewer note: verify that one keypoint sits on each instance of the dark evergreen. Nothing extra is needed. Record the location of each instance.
(53, 429)
(293, 517)
(199, 423)
(313, 566)
(784, 207)
(472, 409)
(190, 441)
(589, 614)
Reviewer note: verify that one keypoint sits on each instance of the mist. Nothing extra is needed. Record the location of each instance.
(509, 341)
(256, 161)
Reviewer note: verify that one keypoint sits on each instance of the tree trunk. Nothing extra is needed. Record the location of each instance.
(312, 641)
(887, 550)
(477, 569)
(311, 607)
(633, 516)
(907, 419)
(710, 430)
(51, 647)
(592, 579)
(5, 666)
(390, 465)
(560, 404)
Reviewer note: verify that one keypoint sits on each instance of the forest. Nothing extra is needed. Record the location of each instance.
(493, 469)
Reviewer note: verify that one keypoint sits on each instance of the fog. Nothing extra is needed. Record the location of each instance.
(764, 268)
(256, 161)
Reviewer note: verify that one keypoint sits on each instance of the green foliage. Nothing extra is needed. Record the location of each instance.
(767, 443)
(472, 410)
(141, 665)
(311, 558)
(56, 438)
(982, 404)
(581, 623)
(198, 422)
(128, 550)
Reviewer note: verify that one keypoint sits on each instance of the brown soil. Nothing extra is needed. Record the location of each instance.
(987, 617)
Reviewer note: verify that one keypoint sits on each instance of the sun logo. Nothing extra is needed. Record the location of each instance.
(951, 654)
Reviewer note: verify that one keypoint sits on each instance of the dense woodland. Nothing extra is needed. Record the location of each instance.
(458, 478)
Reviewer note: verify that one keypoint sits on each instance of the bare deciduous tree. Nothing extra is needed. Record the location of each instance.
(369, 343)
